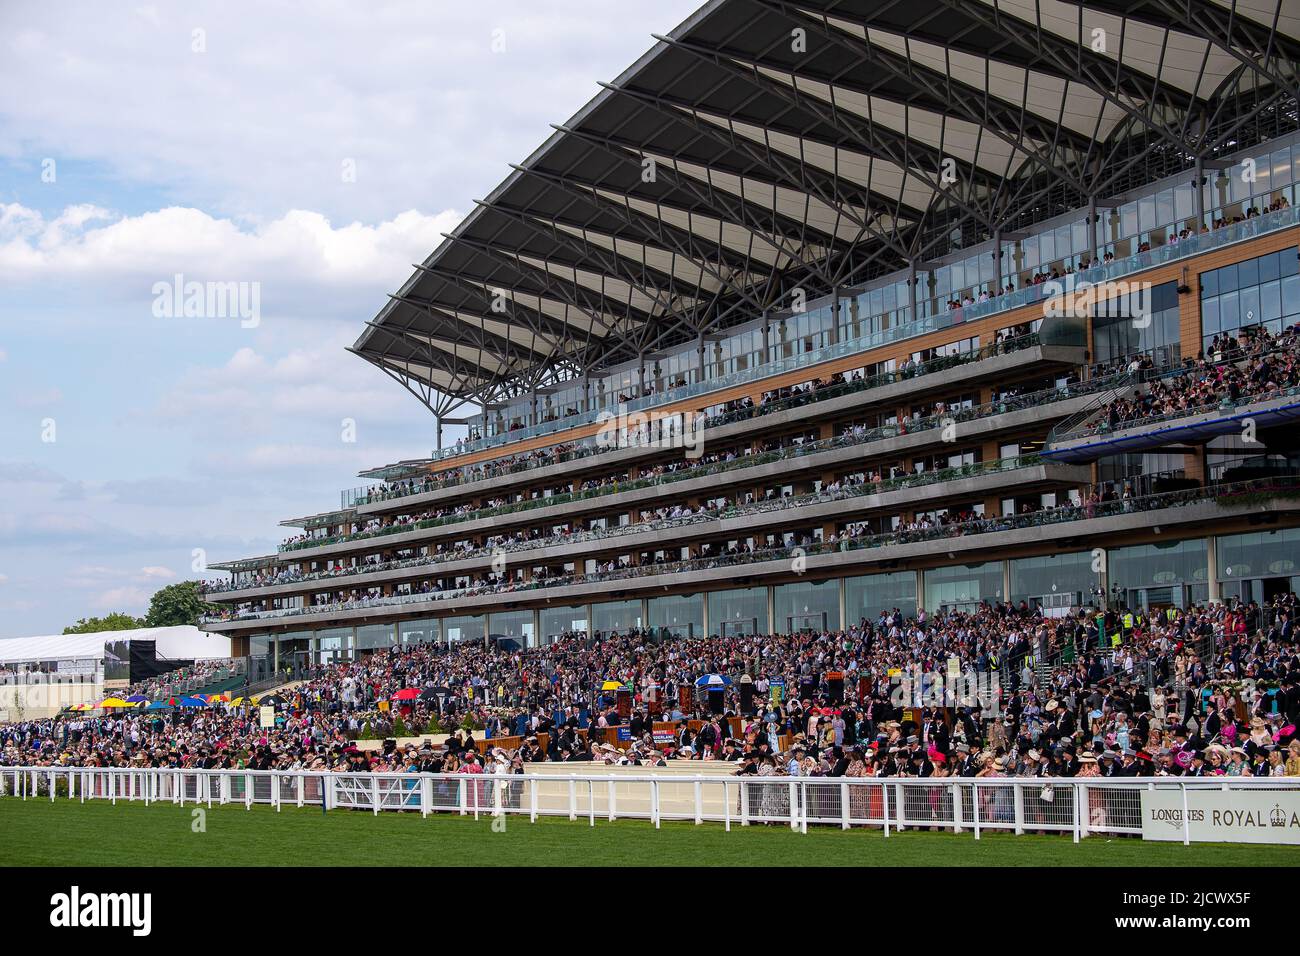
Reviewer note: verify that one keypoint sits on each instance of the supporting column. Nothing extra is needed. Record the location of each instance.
(911, 288)
(1212, 568)
(1198, 193)
(844, 623)
(1092, 229)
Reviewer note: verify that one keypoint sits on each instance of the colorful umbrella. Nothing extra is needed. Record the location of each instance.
(713, 682)
(191, 702)
(112, 702)
(159, 705)
(409, 693)
(270, 700)
(611, 685)
(137, 699)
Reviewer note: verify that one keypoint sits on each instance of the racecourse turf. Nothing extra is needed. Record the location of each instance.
(67, 833)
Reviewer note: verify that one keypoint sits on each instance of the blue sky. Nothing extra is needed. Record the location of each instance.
(210, 140)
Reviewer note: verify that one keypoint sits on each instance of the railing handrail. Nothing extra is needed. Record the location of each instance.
(907, 426)
(367, 495)
(989, 525)
(1248, 228)
(1071, 428)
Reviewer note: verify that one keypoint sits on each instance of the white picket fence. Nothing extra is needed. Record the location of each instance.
(1077, 806)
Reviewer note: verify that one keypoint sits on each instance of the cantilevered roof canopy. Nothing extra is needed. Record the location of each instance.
(769, 144)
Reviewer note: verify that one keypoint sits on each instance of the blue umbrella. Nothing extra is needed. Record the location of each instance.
(136, 699)
(159, 705)
(713, 682)
(191, 702)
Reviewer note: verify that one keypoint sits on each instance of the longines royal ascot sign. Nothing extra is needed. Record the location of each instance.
(1217, 816)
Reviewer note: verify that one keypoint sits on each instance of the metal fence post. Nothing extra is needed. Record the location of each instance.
(726, 806)
(610, 800)
(844, 803)
(532, 799)
(374, 793)
(573, 799)
(699, 801)
(1187, 824)
(1018, 803)
(975, 805)
(956, 808)
(794, 804)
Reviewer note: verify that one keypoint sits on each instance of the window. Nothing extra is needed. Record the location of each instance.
(1262, 291)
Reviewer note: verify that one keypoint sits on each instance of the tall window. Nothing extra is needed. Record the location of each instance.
(1263, 291)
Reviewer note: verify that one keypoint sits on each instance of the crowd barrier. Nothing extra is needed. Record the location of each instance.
(1076, 806)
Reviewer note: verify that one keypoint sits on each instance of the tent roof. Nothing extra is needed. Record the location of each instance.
(766, 145)
(174, 643)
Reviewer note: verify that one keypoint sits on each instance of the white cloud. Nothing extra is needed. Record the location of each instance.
(299, 247)
(127, 598)
(157, 573)
(264, 118)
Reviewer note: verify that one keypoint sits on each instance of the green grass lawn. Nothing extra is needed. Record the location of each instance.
(37, 832)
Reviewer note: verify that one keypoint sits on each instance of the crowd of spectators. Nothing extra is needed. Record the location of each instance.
(1251, 364)
(1204, 691)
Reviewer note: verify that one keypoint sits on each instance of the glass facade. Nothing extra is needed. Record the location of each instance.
(738, 612)
(468, 627)
(374, 636)
(334, 645)
(620, 616)
(807, 605)
(1262, 291)
(1158, 565)
(679, 615)
(1160, 575)
(1160, 214)
(1143, 322)
(418, 632)
(513, 627)
(1056, 581)
(867, 596)
(963, 586)
(1260, 554)
(556, 621)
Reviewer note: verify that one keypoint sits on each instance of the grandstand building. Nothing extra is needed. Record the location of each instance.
(830, 307)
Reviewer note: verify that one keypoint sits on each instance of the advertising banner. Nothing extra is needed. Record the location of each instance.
(1217, 816)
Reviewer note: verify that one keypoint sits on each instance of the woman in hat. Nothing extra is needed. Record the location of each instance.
(1237, 766)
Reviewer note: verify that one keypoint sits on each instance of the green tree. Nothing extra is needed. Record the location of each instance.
(117, 621)
(174, 605)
